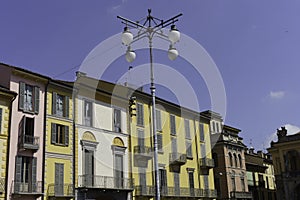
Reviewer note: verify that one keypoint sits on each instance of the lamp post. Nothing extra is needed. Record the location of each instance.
(147, 30)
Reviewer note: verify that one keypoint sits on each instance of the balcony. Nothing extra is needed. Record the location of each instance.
(105, 182)
(144, 190)
(241, 195)
(206, 163)
(177, 159)
(141, 155)
(21, 188)
(188, 192)
(28, 142)
(65, 190)
(2, 185)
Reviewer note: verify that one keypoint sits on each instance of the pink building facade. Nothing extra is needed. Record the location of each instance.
(26, 142)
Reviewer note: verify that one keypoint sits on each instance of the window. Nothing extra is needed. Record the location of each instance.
(189, 152)
(29, 98)
(88, 113)
(206, 182)
(159, 142)
(163, 180)
(88, 167)
(191, 183)
(233, 181)
(201, 130)
(26, 129)
(142, 178)
(0, 120)
(176, 183)
(117, 120)
(59, 134)
(60, 105)
(140, 114)
(172, 125)
(240, 161)
(187, 129)
(243, 184)
(59, 179)
(213, 127)
(25, 177)
(158, 120)
(230, 159)
(141, 137)
(119, 171)
(235, 160)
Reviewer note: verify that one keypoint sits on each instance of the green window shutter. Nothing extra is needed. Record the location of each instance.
(66, 106)
(141, 137)
(21, 95)
(33, 171)
(59, 179)
(36, 99)
(54, 97)
(53, 133)
(67, 135)
(158, 120)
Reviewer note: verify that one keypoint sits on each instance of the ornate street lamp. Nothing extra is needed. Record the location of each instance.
(149, 32)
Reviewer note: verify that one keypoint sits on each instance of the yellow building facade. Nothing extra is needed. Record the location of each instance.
(6, 98)
(184, 151)
(59, 155)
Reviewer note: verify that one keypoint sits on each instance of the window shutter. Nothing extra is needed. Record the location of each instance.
(201, 129)
(18, 177)
(34, 182)
(67, 135)
(36, 99)
(54, 97)
(187, 129)
(159, 142)
(117, 120)
(21, 95)
(141, 136)
(140, 114)
(66, 106)
(22, 129)
(172, 124)
(53, 133)
(158, 120)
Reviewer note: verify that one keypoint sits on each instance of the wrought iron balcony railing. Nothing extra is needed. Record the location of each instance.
(144, 190)
(29, 142)
(23, 188)
(206, 163)
(63, 190)
(105, 182)
(176, 192)
(241, 195)
(177, 158)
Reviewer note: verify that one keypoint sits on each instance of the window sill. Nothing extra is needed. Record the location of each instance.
(160, 151)
(61, 145)
(190, 158)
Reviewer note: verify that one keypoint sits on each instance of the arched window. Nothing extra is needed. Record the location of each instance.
(230, 159)
(292, 161)
(233, 181)
(235, 160)
(240, 161)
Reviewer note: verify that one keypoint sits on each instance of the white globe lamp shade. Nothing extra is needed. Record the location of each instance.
(127, 36)
(174, 34)
(130, 56)
(172, 53)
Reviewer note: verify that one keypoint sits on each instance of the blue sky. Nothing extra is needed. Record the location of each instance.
(254, 43)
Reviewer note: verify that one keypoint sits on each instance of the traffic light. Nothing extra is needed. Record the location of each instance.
(132, 106)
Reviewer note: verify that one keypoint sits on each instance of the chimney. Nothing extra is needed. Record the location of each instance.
(281, 133)
(80, 74)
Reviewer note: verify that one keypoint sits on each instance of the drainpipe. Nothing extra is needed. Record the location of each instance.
(74, 137)
(197, 154)
(8, 145)
(44, 139)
